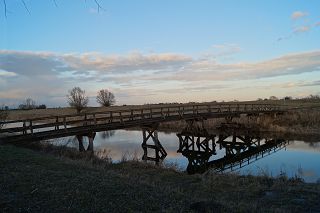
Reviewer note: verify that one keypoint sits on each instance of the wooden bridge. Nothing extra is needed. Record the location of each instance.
(147, 118)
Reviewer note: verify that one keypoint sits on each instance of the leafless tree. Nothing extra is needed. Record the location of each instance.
(29, 103)
(3, 116)
(77, 99)
(105, 98)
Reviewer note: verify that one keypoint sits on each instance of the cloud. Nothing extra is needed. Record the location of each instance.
(298, 84)
(298, 14)
(123, 64)
(317, 24)
(4, 73)
(284, 65)
(30, 63)
(302, 29)
(47, 76)
(47, 63)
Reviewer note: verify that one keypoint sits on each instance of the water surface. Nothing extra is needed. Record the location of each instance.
(296, 159)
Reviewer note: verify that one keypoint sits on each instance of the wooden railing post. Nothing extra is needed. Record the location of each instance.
(121, 119)
(24, 131)
(111, 117)
(57, 123)
(94, 119)
(209, 108)
(30, 126)
(162, 115)
(65, 122)
(85, 120)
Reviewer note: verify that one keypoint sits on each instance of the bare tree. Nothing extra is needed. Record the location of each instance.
(29, 103)
(3, 116)
(105, 98)
(77, 99)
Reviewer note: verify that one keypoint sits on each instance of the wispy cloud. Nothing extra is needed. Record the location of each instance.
(284, 65)
(295, 84)
(302, 29)
(298, 14)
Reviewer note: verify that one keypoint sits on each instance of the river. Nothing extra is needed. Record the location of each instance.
(295, 158)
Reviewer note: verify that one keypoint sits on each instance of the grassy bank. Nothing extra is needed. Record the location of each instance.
(33, 181)
(300, 122)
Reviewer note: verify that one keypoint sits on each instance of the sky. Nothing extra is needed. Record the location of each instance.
(158, 51)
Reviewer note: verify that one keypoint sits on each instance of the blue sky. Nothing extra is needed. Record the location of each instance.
(159, 51)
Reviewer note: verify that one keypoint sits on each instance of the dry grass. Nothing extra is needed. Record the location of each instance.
(34, 182)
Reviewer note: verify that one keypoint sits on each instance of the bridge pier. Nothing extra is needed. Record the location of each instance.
(151, 132)
(90, 137)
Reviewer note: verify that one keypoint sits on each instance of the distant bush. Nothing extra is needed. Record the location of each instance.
(42, 106)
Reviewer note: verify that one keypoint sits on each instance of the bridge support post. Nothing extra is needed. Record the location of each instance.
(90, 137)
(80, 141)
(151, 132)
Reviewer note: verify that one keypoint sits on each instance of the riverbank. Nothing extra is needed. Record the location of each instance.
(298, 122)
(57, 180)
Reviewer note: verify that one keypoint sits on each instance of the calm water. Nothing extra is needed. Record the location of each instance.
(298, 158)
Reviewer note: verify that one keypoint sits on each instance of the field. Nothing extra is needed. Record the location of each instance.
(36, 113)
(63, 181)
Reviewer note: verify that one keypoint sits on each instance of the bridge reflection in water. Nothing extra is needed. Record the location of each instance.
(241, 146)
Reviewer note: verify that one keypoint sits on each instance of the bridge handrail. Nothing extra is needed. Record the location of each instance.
(136, 109)
(120, 115)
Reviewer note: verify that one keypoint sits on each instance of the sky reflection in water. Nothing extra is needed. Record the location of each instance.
(298, 158)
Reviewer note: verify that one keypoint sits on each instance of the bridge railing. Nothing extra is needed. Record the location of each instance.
(48, 123)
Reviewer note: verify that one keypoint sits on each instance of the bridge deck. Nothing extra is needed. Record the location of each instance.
(67, 125)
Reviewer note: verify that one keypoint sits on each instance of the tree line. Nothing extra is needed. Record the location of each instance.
(76, 99)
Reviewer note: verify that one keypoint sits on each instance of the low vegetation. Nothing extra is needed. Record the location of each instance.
(31, 181)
